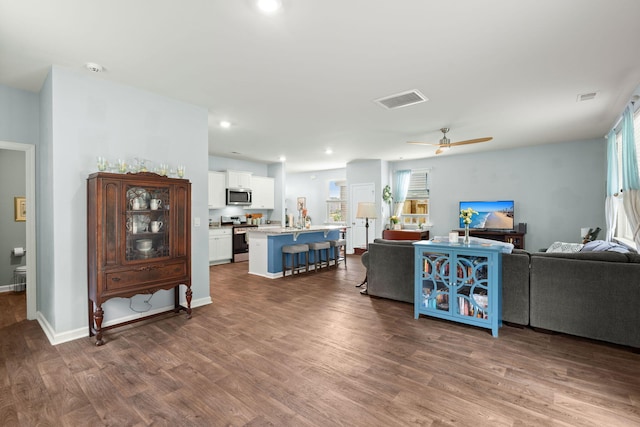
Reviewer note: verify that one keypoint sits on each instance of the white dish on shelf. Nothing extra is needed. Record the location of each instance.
(144, 245)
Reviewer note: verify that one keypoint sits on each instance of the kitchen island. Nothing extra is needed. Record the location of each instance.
(266, 242)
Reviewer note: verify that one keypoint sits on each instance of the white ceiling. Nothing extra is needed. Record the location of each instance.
(305, 79)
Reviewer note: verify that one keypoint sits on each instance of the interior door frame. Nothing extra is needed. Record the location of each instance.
(30, 194)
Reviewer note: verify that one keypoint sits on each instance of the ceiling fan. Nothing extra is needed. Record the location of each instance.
(445, 143)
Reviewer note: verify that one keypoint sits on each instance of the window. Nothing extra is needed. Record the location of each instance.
(416, 205)
(337, 202)
(623, 230)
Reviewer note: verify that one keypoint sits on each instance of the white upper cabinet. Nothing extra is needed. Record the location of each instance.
(237, 179)
(263, 192)
(217, 190)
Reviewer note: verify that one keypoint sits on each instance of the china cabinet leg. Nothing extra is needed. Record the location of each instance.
(97, 318)
(189, 293)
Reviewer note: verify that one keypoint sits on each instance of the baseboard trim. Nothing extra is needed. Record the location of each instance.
(56, 338)
(62, 337)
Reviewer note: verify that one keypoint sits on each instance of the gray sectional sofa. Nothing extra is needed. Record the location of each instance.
(589, 294)
(390, 274)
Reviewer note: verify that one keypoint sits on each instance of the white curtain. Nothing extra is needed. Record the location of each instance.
(613, 188)
(403, 178)
(630, 177)
(631, 202)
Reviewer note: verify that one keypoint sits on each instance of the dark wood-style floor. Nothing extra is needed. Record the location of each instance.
(309, 351)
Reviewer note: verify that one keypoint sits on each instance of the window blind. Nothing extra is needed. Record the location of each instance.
(418, 185)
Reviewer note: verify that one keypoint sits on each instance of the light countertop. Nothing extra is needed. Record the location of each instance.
(277, 229)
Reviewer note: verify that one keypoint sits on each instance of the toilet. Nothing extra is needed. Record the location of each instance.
(20, 278)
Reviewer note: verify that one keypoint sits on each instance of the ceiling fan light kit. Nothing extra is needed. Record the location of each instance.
(445, 143)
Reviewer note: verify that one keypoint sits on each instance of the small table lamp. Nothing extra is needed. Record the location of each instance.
(366, 210)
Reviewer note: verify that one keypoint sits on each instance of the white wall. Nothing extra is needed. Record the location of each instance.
(92, 117)
(14, 233)
(223, 164)
(314, 186)
(557, 188)
(18, 123)
(44, 193)
(19, 116)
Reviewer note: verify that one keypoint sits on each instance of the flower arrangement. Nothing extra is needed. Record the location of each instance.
(466, 215)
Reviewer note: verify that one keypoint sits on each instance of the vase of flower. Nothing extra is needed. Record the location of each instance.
(466, 215)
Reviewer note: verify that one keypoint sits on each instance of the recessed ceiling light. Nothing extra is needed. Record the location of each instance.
(268, 7)
(282, 158)
(225, 124)
(328, 151)
(93, 67)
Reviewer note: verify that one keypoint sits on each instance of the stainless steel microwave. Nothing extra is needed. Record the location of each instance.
(238, 196)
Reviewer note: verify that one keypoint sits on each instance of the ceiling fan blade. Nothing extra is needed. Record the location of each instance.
(441, 150)
(423, 143)
(472, 141)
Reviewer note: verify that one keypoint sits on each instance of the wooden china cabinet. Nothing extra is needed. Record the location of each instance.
(139, 240)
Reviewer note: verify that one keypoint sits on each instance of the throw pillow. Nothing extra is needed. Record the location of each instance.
(566, 248)
(601, 245)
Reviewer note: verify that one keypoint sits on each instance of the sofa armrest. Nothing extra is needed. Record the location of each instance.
(515, 287)
(364, 258)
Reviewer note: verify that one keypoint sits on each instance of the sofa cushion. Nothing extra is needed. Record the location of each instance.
(585, 256)
(395, 242)
(564, 247)
(601, 246)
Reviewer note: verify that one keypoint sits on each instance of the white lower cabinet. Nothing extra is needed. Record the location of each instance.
(220, 246)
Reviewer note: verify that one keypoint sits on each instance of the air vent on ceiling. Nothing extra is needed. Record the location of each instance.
(586, 96)
(403, 99)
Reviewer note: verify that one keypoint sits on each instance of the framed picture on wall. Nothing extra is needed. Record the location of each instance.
(20, 208)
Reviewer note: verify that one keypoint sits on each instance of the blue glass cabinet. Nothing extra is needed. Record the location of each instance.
(461, 283)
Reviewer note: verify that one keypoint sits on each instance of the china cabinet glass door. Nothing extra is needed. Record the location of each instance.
(472, 286)
(436, 281)
(147, 222)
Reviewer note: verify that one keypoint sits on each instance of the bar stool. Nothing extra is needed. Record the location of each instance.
(339, 246)
(295, 251)
(318, 248)
(20, 278)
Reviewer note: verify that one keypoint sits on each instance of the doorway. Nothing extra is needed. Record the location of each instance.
(360, 193)
(30, 195)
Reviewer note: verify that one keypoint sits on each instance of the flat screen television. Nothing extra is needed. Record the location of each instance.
(496, 215)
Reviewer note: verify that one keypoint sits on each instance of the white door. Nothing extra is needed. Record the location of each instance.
(360, 193)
